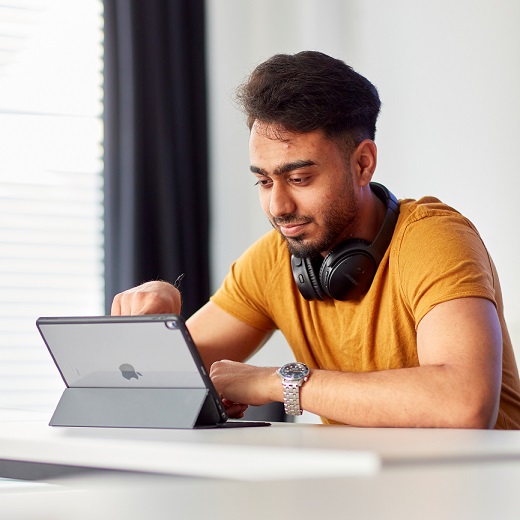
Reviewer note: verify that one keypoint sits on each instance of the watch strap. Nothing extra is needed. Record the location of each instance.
(291, 396)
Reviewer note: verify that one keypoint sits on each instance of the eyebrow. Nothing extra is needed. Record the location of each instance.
(284, 168)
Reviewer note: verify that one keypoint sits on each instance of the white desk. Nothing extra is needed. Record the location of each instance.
(427, 492)
(430, 474)
(257, 453)
(343, 450)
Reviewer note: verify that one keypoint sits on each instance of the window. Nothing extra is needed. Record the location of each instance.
(51, 184)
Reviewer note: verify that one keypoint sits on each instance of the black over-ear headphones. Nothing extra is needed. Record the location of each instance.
(348, 270)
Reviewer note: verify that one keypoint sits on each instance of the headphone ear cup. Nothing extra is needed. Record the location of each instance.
(347, 271)
(304, 272)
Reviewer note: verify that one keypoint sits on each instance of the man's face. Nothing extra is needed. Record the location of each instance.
(306, 188)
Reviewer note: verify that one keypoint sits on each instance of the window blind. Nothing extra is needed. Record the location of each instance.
(51, 184)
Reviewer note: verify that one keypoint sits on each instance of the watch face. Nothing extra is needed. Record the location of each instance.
(294, 371)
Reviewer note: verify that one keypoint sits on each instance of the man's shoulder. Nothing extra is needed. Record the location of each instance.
(429, 213)
(412, 209)
(428, 226)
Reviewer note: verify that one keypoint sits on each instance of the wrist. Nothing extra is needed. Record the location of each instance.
(275, 388)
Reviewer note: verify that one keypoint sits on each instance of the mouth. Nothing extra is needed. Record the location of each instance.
(292, 230)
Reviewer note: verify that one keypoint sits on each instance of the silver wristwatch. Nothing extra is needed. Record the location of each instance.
(293, 376)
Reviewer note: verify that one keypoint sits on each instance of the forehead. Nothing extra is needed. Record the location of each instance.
(272, 146)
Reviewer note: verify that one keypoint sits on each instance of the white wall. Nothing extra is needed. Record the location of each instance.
(448, 74)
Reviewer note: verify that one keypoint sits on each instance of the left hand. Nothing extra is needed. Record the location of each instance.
(241, 384)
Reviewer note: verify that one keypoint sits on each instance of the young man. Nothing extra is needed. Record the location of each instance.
(393, 310)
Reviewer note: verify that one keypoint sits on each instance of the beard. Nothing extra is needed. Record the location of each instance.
(337, 222)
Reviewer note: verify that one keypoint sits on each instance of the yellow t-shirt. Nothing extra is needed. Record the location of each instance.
(435, 255)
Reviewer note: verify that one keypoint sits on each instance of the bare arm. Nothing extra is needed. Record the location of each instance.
(218, 335)
(456, 385)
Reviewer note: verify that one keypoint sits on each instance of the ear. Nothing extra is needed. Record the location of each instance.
(364, 161)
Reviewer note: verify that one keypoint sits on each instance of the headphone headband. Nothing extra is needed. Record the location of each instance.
(384, 237)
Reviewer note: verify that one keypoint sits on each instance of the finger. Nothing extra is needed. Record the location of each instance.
(160, 298)
(137, 301)
(129, 303)
(115, 310)
(235, 410)
(235, 414)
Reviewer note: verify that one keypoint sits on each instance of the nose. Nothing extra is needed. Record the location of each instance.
(280, 202)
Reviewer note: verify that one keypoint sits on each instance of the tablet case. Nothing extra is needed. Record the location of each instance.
(130, 371)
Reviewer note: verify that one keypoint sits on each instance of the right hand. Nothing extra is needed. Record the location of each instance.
(149, 298)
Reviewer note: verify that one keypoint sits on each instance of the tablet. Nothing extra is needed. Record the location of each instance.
(152, 355)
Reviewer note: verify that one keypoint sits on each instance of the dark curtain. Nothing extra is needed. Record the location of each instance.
(156, 186)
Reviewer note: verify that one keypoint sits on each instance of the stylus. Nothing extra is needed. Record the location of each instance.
(178, 281)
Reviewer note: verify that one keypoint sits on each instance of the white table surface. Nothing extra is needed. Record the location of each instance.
(427, 492)
(251, 453)
(300, 470)
(258, 453)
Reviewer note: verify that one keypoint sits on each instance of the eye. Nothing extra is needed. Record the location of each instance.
(299, 181)
(264, 182)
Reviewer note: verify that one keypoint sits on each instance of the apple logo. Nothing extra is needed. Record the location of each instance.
(128, 371)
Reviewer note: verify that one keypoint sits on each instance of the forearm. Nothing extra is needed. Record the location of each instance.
(218, 335)
(427, 396)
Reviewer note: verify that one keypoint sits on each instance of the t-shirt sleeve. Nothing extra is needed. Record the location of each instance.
(243, 294)
(442, 257)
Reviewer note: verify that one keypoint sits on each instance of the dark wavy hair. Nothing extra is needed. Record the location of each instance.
(309, 91)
